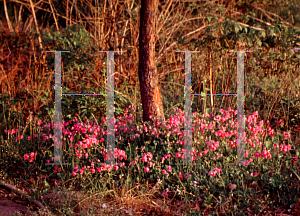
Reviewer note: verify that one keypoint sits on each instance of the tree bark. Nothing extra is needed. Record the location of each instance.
(148, 77)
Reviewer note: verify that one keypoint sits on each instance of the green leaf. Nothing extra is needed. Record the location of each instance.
(236, 29)
(209, 19)
(46, 93)
(252, 14)
(46, 184)
(259, 42)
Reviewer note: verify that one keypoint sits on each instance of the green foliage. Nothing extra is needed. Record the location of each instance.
(74, 39)
(81, 58)
(6, 114)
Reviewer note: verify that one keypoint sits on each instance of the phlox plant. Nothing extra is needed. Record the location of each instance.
(149, 152)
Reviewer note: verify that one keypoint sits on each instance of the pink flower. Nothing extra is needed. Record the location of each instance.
(286, 135)
(246, 153)
(212, 147)
(26, 156)
(29, 138)
(257, 155)
(178, 154)
(144, 158)
(146, 169)
(116, 167)
(170, 168)
(92, 170)
(39, 122)
(284, 149)
(74, 173)
(211, 173)
(216, 144)
(165, 194)
(180, 175)
(150, 155)
(279, 122)
(164, 171)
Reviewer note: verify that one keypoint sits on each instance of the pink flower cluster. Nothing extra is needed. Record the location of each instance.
(145, 158)
(165, 157)
(32, 155)
(215, 171)
(11, 132)
(285, 148)
(56, 169)
(295, 159)
(213, 145)
(264, 154)
(169, 168)
(182, 176)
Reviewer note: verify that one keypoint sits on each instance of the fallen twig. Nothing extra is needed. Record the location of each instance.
(17, 191)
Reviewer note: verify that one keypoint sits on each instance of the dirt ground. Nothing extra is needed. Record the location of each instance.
(9, 208)
(11, 204)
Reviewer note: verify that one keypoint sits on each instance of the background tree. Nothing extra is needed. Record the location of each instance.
(148, 76)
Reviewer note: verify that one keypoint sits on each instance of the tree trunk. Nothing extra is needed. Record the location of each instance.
(148, 77)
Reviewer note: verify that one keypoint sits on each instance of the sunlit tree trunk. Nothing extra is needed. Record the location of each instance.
(148, 77)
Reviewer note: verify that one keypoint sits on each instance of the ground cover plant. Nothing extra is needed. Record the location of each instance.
(148, 154)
